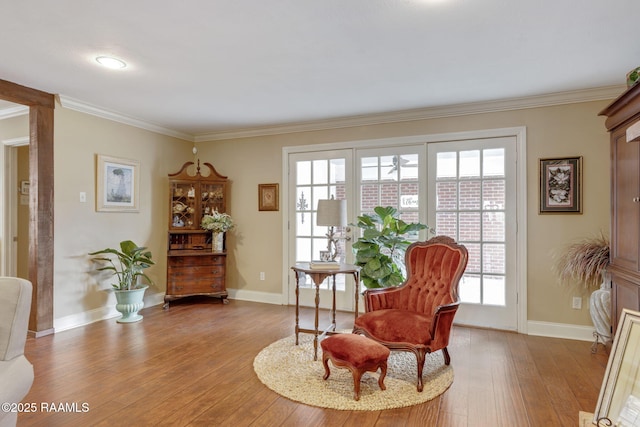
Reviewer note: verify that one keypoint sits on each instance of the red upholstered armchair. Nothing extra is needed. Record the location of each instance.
(417, 315)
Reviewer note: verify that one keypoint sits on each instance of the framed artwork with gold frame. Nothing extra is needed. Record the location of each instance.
(268, 197)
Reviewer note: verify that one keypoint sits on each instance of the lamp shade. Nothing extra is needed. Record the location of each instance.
(332, 213)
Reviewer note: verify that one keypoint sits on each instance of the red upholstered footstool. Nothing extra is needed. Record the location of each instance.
(356, 353)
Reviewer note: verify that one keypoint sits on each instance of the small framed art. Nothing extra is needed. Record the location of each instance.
(268, 197)
(561, 185)
(117, 184)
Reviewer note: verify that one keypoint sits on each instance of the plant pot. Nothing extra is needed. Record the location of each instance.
(600, 310)
(129, 303)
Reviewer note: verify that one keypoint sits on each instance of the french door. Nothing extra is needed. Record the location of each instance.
(471, 189)
(461, 187)
(316, 176)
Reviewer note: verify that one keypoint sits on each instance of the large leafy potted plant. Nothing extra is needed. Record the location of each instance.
(128, 266)
(381, 248)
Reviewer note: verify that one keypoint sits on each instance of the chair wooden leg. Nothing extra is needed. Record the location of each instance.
(447, 359)
(421, 356)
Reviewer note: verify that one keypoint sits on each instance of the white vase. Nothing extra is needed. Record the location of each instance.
(217, 242)
(600, 310)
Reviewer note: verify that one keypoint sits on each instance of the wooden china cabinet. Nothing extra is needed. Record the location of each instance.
(623, 123)
(192, 267)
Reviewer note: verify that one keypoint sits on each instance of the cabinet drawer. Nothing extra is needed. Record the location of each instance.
(195, 273)
(178, 261)
(203, 286)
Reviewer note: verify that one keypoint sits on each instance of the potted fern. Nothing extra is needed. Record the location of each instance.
(127, 266)
(381, 248)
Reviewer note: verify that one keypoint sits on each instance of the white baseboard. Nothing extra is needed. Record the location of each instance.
(102, 313)
(560, 330)
(253, 296)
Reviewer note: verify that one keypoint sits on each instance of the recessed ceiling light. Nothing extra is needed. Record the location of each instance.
(111, 62)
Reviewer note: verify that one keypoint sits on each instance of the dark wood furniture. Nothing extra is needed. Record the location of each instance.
(318, 276)
(192, 267)
(622, 115)
(417, 316)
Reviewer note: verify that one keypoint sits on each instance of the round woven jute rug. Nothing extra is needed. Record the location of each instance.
(290, 371)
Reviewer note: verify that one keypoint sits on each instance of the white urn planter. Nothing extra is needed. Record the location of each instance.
(600, 310)
(129, 303)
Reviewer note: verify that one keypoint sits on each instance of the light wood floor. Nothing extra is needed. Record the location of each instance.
(192, 365)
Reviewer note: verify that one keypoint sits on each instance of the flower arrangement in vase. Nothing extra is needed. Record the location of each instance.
(218, 223)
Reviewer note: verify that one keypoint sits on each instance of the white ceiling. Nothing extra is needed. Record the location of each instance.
(199, 67)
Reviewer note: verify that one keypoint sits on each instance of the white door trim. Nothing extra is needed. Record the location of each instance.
(8, 212)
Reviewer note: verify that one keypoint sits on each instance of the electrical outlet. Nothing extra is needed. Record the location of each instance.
(262, 275)
(577, 303)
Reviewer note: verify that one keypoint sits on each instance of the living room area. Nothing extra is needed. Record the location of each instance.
(191, 363)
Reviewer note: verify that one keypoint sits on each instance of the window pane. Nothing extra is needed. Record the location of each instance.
(447, 195)
(369, 168)
(389, 195)
(446, 165)
(469, 195)
(369, 198)
(336, 171)
(388, 168)
(469, 289)
(303, 249)
(473, 264)
(493, 162)
(493, 194)
(409, 196)
(493, 258)
(493, 226)
(303, 228)
(470, 164)
(303, 173)
(494, 290)
(409, 167)
(320, 172)
(447, 224)
(302, 198)
(470, 226)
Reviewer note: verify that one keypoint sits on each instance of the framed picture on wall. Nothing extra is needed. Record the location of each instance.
(117, 184)
(561, 185)
(268, 197)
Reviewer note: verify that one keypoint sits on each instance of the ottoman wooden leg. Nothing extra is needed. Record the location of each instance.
(325, 360)
(383, 373)
(357, 376)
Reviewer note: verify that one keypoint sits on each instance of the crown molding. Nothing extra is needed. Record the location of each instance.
(560, 98)
(83, 107)
(7, 113)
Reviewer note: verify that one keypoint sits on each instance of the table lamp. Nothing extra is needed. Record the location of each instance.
(332, 213)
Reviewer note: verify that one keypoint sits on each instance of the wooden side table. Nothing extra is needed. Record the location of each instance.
(318, 276)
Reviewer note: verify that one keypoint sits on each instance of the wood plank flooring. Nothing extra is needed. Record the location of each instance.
(192, 365)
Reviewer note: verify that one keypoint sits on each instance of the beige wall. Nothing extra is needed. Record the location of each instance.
(558, 131)
(79, 229)
(568, 130)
